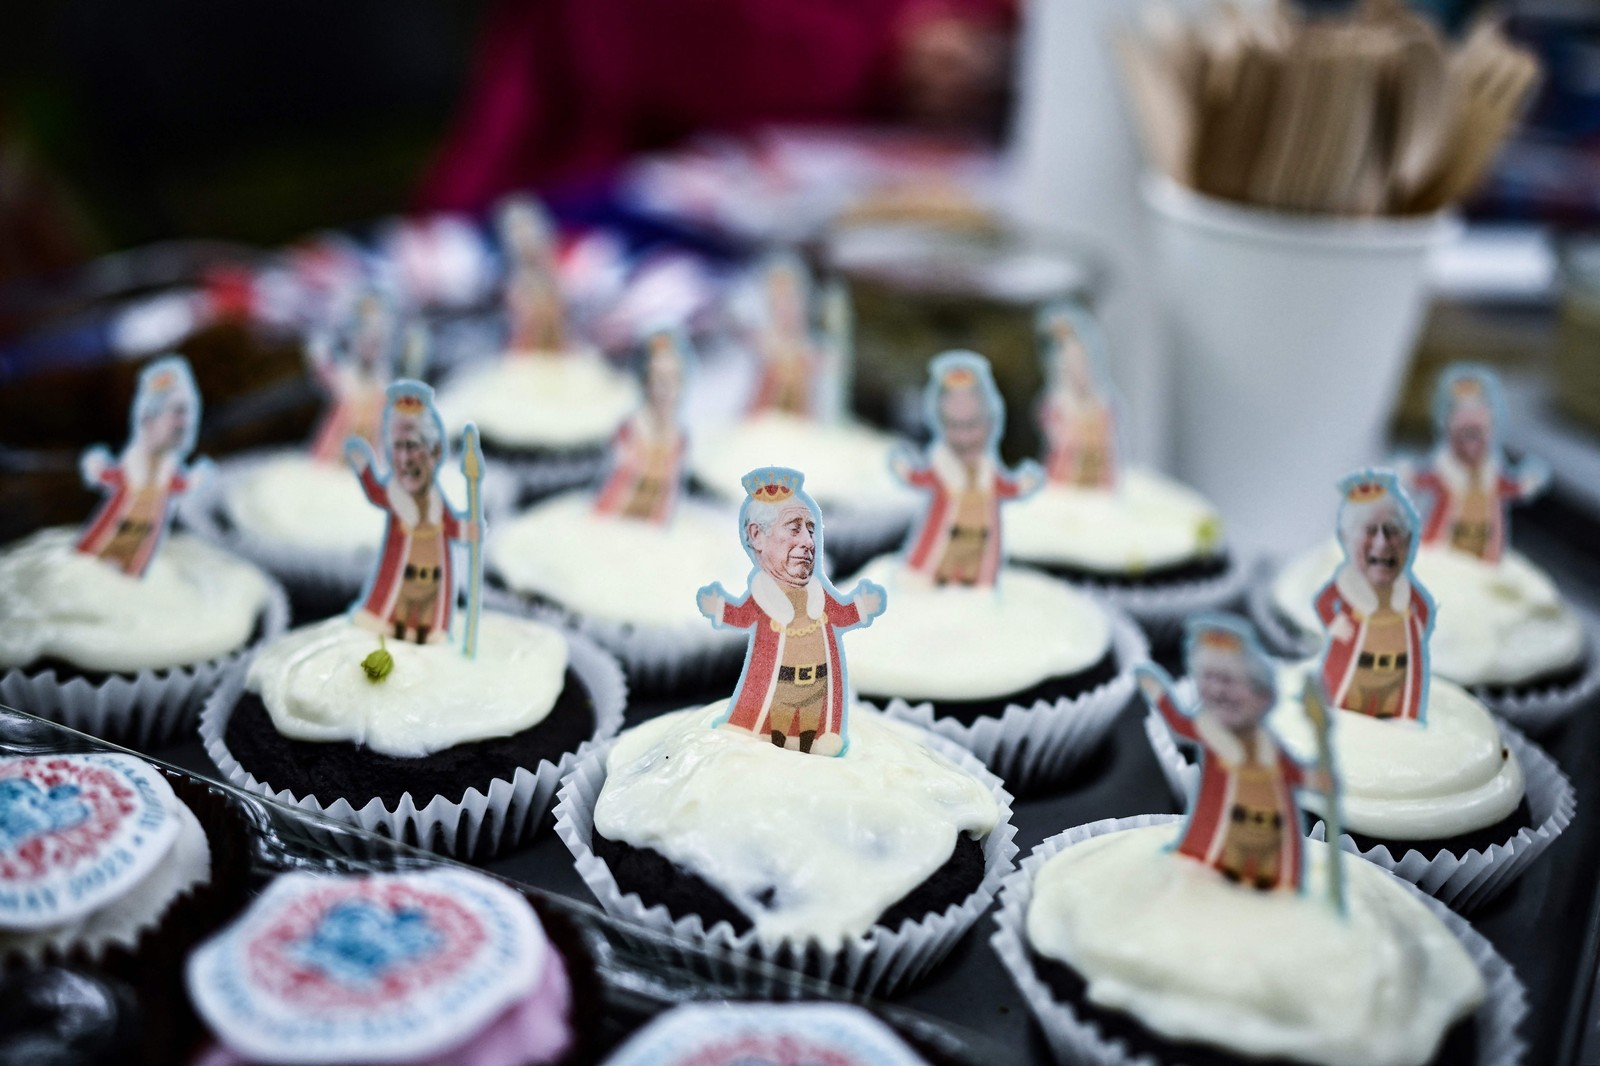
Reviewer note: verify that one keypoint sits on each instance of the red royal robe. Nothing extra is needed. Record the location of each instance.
(1447, 481)
(1067, 445)
(383, 588)
(124, 479)
(768, 612)
(629, 466)
(1204, 832)
(1351, 597)
(946, 476)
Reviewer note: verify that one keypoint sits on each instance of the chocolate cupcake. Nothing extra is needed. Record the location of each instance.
(1127, 951)
(425, 967)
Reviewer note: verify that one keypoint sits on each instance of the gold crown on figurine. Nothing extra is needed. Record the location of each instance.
(771, 485)
(1366, 491)
(1466, 389)
(163, 381)
(960, 378)
(1220, 640)
(408, 404)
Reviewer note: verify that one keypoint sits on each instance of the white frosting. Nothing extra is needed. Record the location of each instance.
(567, 402)
(1150, 521)
(1497, 623)
(187, 862)
(619, 569)
(1405, 781)
(300, 502)
(839, 839)
(960, 643)
(1197, 959)
(194, 603)
(844, 462)
(314, 688)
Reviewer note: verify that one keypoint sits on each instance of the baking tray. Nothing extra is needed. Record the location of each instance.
(1547, 924)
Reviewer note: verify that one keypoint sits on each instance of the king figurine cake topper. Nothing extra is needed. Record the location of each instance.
(1077, 413)
(141, 483)
(1377, 616)
(1244, 820)
(1467, 479)
(958, 539)
(793, 685)
(535, 307)
(354, 367)
(794, 360)
(647, 453)
(411, 593)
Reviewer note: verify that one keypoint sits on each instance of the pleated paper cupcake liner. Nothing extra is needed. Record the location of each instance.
(880, 962)
(546, 475)
(1078, 1040)
(481, 824)
(659, 660)
(1465, 882)
(327, 576)
(144, 709)
(1041, 744)
(1162, 609)
(1536, 708)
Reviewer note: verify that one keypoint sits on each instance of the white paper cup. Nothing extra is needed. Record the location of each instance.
(1075, 1040)
(1290, 336)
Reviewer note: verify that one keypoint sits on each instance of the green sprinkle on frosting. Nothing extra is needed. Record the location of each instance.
(378, 664)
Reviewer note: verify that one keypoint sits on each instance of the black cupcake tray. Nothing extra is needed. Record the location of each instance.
(1546, 924)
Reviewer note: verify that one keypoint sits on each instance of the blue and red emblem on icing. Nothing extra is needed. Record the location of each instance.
(789, 1034)
(386, 967)
(76, 832)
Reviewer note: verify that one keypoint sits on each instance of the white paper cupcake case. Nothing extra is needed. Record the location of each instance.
(879, 962)
(337, 572)
(142, 710)
(479, 825)
(1536, 711)
(1465, 882)
(657, 658)
(1039, 744)
(1075, 1040)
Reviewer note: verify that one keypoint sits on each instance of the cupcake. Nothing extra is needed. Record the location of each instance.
(796, 418)
(1141, 540)
(725, 1034)
(119, 630)
(784, 824)
(1016, 665)
(1507, 633)
(547, 405)
(382, 717)
(1127, 950)
(425, 967)
(1435, 787)
(624, 563)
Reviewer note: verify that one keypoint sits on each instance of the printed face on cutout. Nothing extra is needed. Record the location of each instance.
(1229, 693)
(168, 427)
(1380, 544)
(1471, 432)
(788, 550)
(966, 423)
(411, 457)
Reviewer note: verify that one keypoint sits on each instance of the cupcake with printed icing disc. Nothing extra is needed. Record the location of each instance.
(811, 861)
(1018, 666)
(1148, 543)
(423, 968)
(1127, 950)
(746, 1034)
(416, 740)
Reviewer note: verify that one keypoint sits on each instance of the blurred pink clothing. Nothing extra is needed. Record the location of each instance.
(563, 88)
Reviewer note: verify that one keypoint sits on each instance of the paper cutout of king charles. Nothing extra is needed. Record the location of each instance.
(1077, 414)
(535, 307)
(791, 359)
(648, 450)
(1377, 616)
(792, 688)
(354, 370)
(144, 481)
(1467, 478)
(1244, 820)
(958, 539)
(411, 593)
